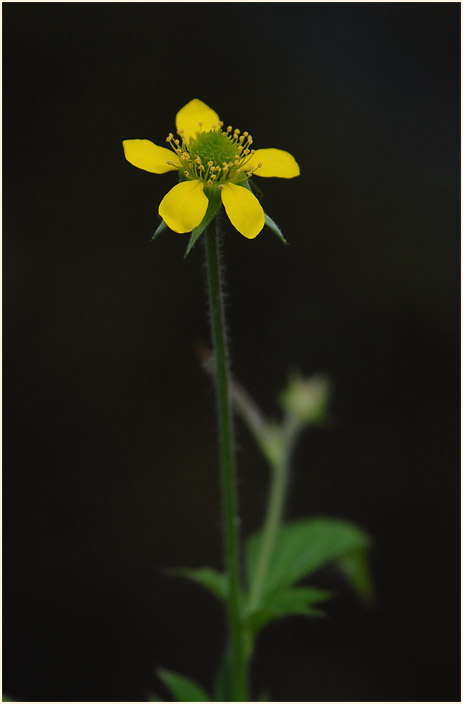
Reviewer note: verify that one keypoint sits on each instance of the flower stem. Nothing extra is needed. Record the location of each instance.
(274, 513)
(227, 462)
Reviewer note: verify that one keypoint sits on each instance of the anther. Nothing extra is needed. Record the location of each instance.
(221, 186)
(186, 173)
(229, 128)
(170, 162)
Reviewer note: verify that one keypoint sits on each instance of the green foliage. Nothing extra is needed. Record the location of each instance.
(160, 229)
(207, 577)
(182, 688)
(274, 227)
(355, 567)
(286, 602)
(303, 546)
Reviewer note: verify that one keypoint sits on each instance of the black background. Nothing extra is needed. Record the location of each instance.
(110, 439)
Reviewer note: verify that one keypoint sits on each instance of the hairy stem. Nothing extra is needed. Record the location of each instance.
(228, 472)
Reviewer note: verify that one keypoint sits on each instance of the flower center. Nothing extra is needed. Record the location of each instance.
(215, 157)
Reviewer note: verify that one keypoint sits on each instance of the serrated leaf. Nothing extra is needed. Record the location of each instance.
(274, 227)
(160, 229)
(215, 202)
(356, 569)
(303, 546)
(287, 602)
(212, 580)
(183, 688)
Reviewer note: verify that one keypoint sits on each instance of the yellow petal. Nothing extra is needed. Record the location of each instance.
(243, 209)
(148, 156)
(275, 162)
(194, 112)
(184, 207)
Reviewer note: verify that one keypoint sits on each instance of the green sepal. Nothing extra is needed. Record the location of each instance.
(253, 187)
(287, 602)
(160, 229)
(212, 580)
(274, 227)
(215, 202)
(303, 546)
(182, 688)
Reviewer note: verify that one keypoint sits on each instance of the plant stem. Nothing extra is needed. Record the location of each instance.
(227, 462)
(274, 513)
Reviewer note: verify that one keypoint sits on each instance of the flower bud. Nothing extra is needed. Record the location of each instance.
(306, 399)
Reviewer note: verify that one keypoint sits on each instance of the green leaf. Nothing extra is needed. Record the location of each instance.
(274, 227)
(287, 602)
(182, 688)
(355, 568)
(216, 582)
(153, 697)
(303, 546)
(215, 202)
(160, 229)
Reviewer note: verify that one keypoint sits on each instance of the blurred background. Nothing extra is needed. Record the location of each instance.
(110, 441)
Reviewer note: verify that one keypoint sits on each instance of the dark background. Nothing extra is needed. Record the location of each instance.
(109, 435)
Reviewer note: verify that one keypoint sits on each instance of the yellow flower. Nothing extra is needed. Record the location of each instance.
(214, 166)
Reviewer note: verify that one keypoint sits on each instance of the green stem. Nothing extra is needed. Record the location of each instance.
(274, 513)
(227, 461)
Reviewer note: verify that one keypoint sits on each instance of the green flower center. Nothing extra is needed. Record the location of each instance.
(215, 157)
(212, 146)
